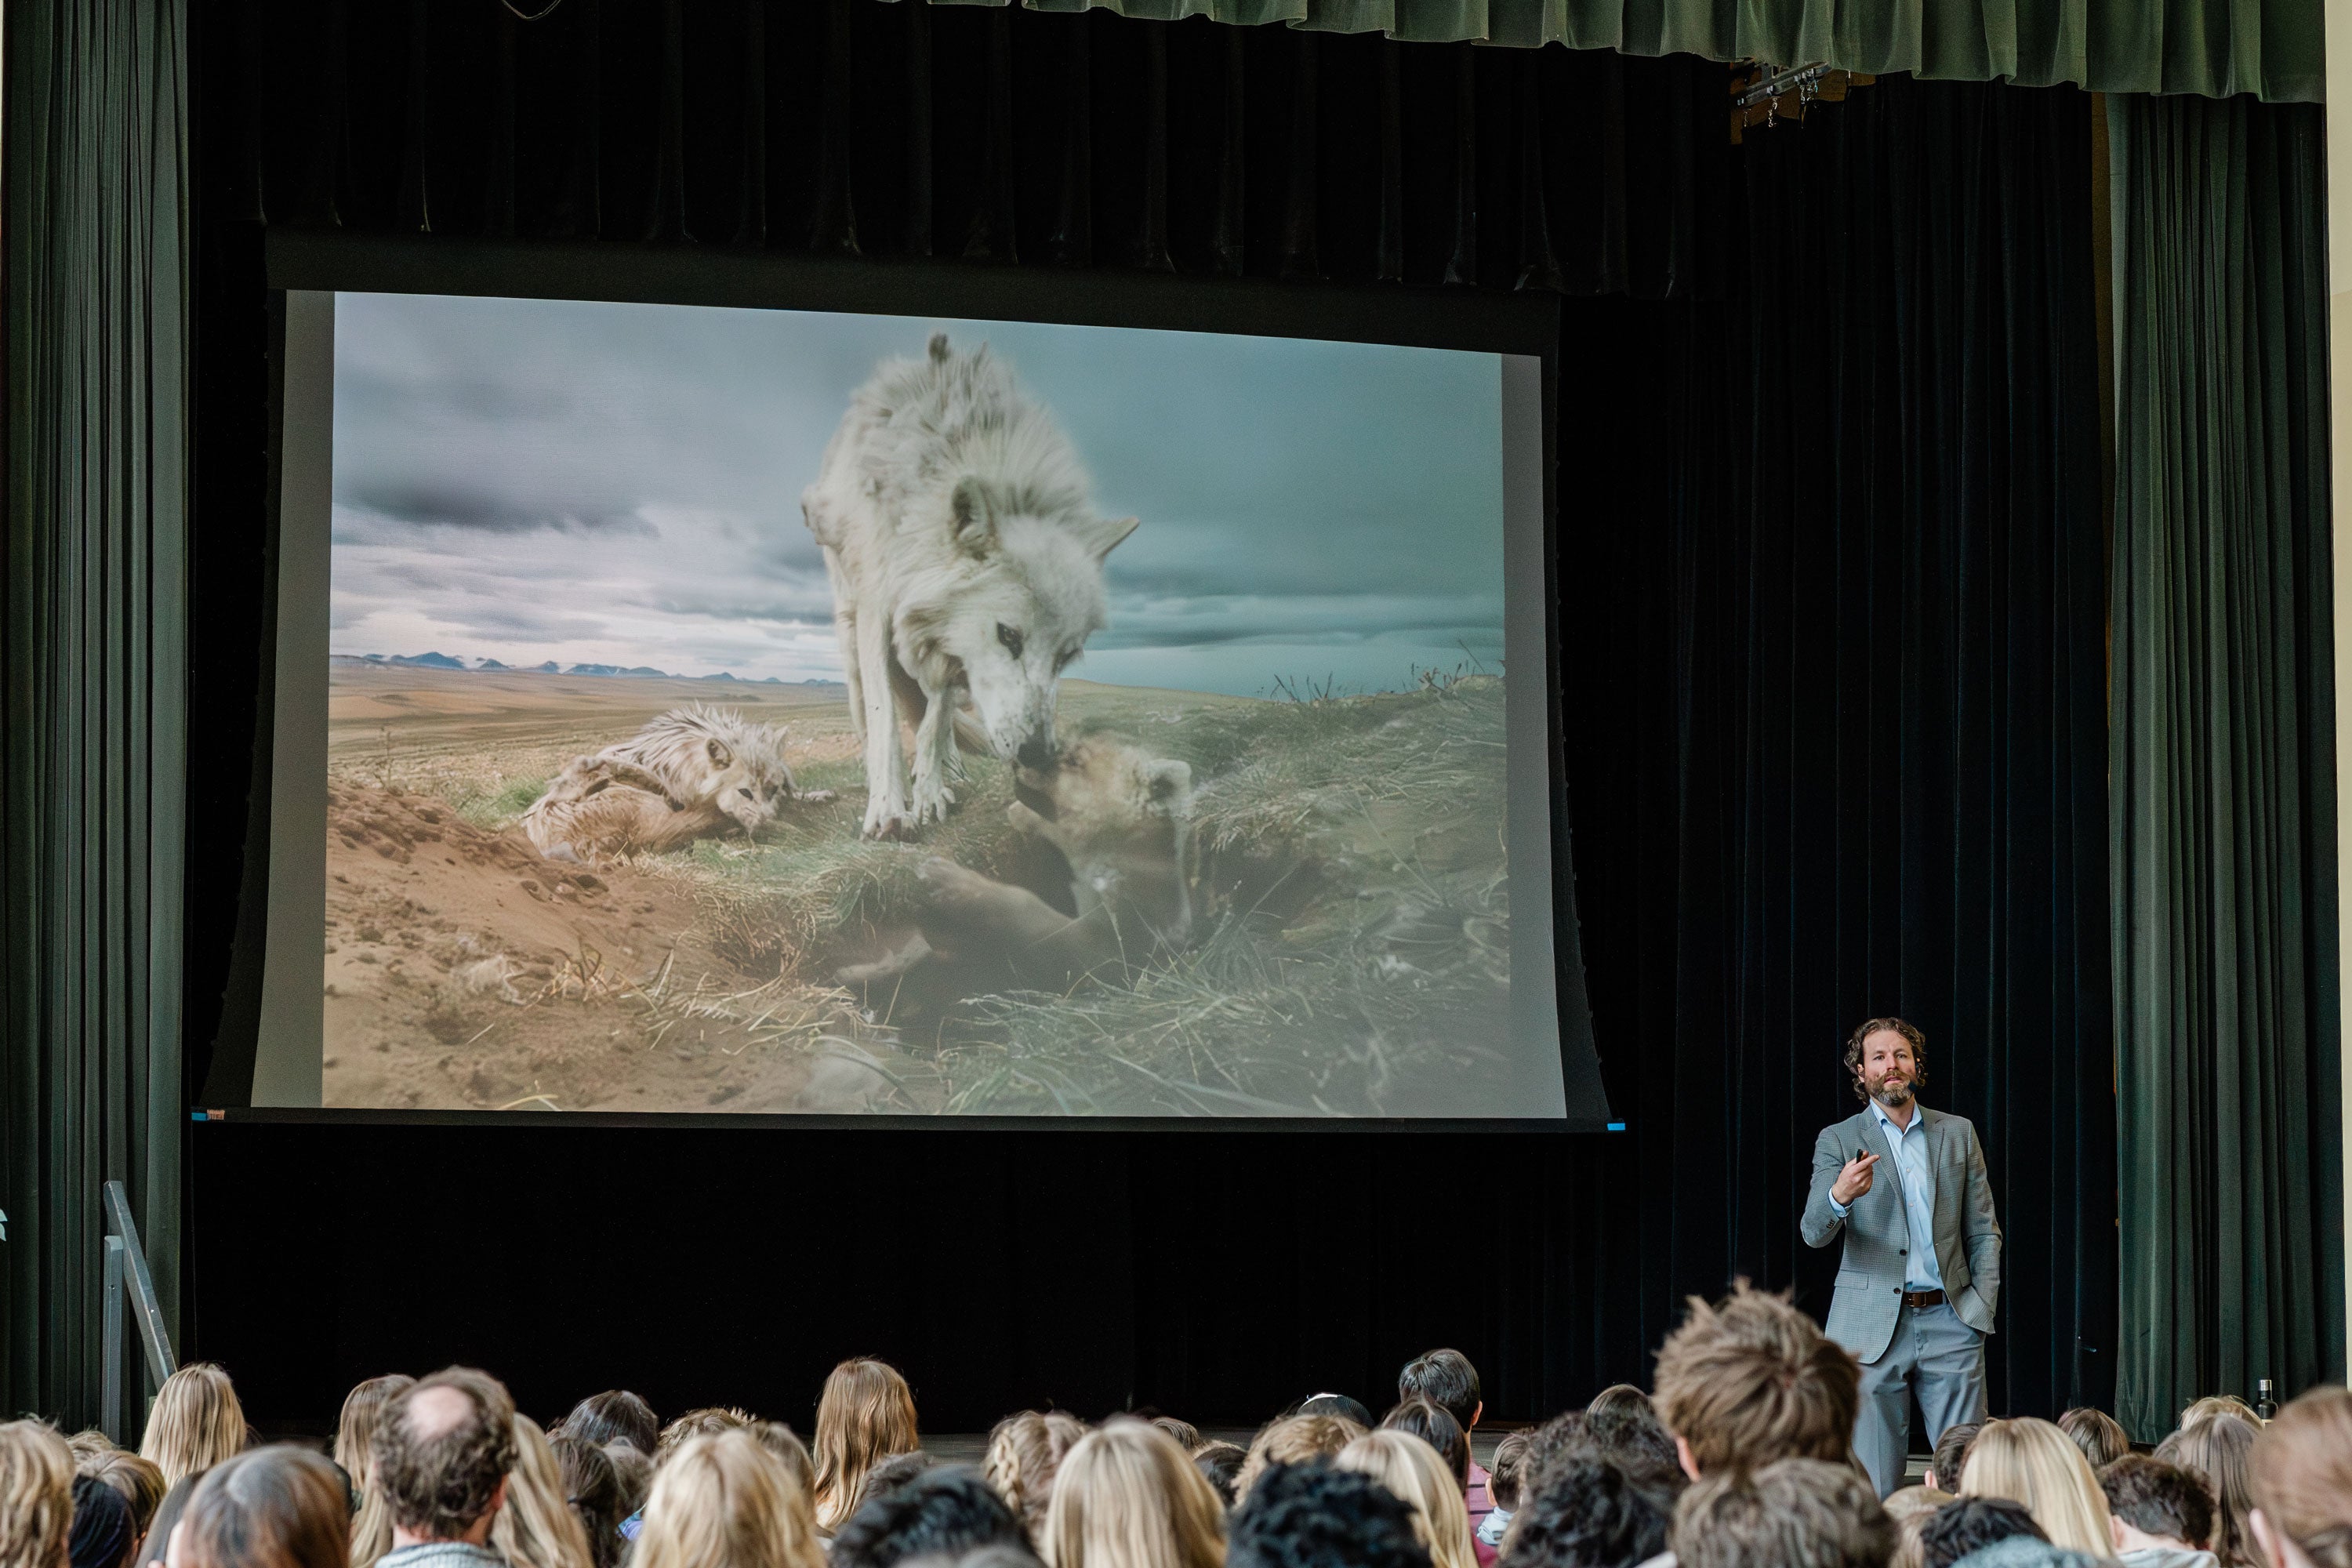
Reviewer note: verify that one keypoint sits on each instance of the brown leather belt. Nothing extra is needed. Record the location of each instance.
(1923, 1298)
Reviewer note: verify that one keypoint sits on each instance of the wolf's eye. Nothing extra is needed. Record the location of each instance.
(1010, 637)
(1062, 661)
(746, 793)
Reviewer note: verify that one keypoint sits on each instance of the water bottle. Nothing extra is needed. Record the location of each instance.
(2265, 1405)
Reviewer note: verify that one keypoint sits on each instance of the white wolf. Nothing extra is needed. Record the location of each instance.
(966, 558)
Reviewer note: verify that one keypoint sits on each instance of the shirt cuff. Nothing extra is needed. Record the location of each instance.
(1839, 1209)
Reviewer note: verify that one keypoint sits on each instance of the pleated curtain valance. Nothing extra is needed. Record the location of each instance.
(2273, 48)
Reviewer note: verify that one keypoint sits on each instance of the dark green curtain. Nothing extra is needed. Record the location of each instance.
(2223, 761)
(2274, 48)
(92, 698)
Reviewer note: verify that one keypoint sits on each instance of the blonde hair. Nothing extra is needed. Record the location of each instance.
(2214, 1405)
(536, 1527)
(1910, 1507)
(706, 1422)
(866, 1416)
(1294, 1441)
(36, 1507)
(1753, 1380)
(355, 1430)
(372, 1526)
(140, 1483)
(1126, 1496)
(2302, 1475)
(196, 1423)
(2217, 1445)
(791, 1453)
(1417, 1473)
(725, 1501)
(2032, 1461)
(1023, 1453)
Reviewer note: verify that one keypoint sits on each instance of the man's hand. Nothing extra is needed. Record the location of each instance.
(1854, 1181)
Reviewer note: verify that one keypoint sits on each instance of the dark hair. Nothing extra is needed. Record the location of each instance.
(1793, 1514)
(633, 1469)
(1956, 1528)
(1952, 1455)
(279, 1507)
(888, 1475)
(616, 1415)
(1871, 1027)
(1312, 1516)
(157, 1542)
(1509, 1468)
(1434, 1425)
(2159, 1498)
(1337, 1404)
(591, 1485)
(2099, 1434)
(1222, 1463)
(103, 1533)
(946, 1510)
(439, 1483)
(1588, 1512)
(1444, 1378)
(1622, 1423)
(1553, 1444)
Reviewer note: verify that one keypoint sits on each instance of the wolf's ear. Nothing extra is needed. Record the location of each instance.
(1102, 534)
(939, 346)
(974, 516)
(1170, 779)
(719, 755)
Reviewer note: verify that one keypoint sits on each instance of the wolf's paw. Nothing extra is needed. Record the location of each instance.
(951, 886)
(814, 797)
(888, 819)
(932, 801)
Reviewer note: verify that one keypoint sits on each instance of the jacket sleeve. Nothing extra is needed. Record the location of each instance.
(1981, 1234)
(1820, 1223)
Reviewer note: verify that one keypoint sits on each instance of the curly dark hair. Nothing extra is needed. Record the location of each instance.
(945, 1510)
(2160, 1497)
(1590, 1512)
(1908, 1031)
(1312, 1516)
(1956, 1528)
(440, 1481)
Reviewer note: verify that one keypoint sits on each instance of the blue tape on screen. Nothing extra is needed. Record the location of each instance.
(1616, 1127)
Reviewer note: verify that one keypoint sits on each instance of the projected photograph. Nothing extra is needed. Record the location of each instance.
(762, 710)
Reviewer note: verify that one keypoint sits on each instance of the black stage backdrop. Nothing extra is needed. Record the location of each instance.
(1832, 610)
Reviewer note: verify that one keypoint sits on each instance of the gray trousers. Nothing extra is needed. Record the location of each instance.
(1940, 1357)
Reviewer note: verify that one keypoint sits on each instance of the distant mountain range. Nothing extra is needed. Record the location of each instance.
(444, 661)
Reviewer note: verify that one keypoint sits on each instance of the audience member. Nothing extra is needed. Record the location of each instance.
(2099, 1434)
(1293, 1441)
(706, 1422)
(888, 1475)
(1221, 1463)
(278, 1507)
(103, 1536)
(1503, 1489)
(1408, 1466)
(1952, 1457)
(635, 1468)
(1588, 1512)
(1447, 1380)
(2161, 1515)
(1751, 1380)
(1126, 1496)
(2216, 1446)
(865, 1415)
(535, 1527)
(155, 1546)
(724, 1501)
(1555, 1443)
(1187, 1436)
(1313, 1516)
(442, 1453)
(1623, 1423)
(592, 1488)
(195, 1422)
(2302, 1476)
(140, 1483)
(1337, 1404)
(780, 1439)
(2220, 1404)
(2025, 1552)
(2032, 1462)
(1792, 1513)
(1023, 1452)
(355, 1430)
(1909, 1508)
(947, 1513)
(1435, 1425)
(1972, 1525)
(616, 1415)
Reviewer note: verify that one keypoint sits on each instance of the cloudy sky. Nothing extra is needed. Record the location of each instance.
(527, 480)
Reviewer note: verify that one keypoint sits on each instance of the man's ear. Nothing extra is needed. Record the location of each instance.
(1481, 1410)
(1682, 1452)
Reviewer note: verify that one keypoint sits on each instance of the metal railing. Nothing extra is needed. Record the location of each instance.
(126, 1264)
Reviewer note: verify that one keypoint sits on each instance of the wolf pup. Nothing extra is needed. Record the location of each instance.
(966, 561)
(693, 773)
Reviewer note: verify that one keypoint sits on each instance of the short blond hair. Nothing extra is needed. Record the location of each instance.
(2030, 1461)
(706, 1422)
(37, 1506)
(2302, 1475)
(1751, 1380)
(196, 1423)
(1126, 1496)
(1294, 1440)
(535, 1528)
(1909, 1508)
(725, 1501)
(1417, 1474)
(866, 1416)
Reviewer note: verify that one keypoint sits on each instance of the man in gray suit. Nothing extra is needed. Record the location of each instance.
(1921, 1275)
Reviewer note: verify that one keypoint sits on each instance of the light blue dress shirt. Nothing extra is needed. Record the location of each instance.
(1920, 1271)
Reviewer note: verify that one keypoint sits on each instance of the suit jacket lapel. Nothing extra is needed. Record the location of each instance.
(1875, 1138)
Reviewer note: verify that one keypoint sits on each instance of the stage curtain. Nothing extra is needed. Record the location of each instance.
(92, 671)
(2225, 757)
(2217, 48)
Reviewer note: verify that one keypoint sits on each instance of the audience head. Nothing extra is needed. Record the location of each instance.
(592, 1488)
(140, 1483)
(1434, 1426)
(1793, 1514)
(443, 1448)
(278, 1507)
(888, 1475)
(1023, 1452)
(355, 1431)
(1127, 1497)
(780, 1439)
(724, 1501)
(2032, 1462)
(1337, 1404)
(1313, 1516)
(102, 1535)
(1221, 1465)
(1406, 1464)
(1588, 1511)
(1622, 1423)
(1296, 1440)
(1909, 1508)
(1752, 1380)
(2218, 1405)
(1187, 1436)
(2301, 1479)
(1953, 1531)
(536, 1527)
(708, 1422)
(865, 1415)
(155, 1546)
(2099, 1434)
(1555, 1443)
(1503, 1481)
(1447, 1380)
(616, 1415)
(947, 1513)
(2217, 1445)
(635, 1469)
(2152, 1503)
(1952, 1457)
(195, 1424)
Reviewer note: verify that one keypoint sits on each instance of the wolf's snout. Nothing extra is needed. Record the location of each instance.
(1036, 754)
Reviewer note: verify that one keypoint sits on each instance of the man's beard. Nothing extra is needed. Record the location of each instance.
(1892, 1092)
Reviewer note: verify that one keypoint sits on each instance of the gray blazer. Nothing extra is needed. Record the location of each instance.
(1870, 1278)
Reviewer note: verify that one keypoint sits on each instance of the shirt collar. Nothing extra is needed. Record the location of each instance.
(1886, 1123)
